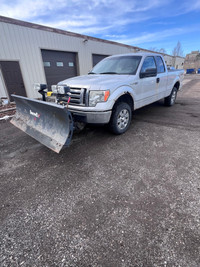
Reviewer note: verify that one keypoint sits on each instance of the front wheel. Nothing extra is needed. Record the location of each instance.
(171, 99)
(121, 118)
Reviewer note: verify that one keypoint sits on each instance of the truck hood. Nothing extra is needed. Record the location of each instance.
(99, 81)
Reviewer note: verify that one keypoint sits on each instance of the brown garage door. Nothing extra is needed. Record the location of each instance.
(96, 58)
(13, 78)
(59, 66)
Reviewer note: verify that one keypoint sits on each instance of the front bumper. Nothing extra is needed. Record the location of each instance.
(97, 117)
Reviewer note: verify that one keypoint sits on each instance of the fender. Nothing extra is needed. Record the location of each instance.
(170, 87)
(177, 81)
(120, 91)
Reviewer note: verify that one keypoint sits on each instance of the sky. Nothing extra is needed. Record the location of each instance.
(147, 23)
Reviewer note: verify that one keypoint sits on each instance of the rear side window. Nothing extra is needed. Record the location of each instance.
(160, 64)
(149, 63)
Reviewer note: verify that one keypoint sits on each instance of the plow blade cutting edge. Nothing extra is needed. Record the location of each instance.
(49, 123)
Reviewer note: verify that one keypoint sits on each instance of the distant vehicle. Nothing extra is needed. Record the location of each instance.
(115, 87)
(190, 71)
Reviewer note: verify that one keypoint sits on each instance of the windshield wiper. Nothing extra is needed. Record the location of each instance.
(108, 72)
(91, 72)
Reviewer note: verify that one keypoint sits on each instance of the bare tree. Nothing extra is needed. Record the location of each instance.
(159, 50)
(153, 48)
(162, 50)
(178, 51)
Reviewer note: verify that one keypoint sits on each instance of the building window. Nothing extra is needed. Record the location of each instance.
(59, 64)
(47, 64)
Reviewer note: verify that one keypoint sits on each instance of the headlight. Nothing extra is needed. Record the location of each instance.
(98, 96)
(60, 89)
(54, 89)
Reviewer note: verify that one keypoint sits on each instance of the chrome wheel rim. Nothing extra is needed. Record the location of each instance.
(173, 97)
(123, 119)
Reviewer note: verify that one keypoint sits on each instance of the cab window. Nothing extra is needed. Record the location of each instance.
(149, 63)
(160, 64)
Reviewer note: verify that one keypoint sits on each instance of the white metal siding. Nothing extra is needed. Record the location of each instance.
(3, 92)
(179, 62)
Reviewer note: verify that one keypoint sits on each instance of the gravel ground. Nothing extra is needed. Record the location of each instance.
(130, 200)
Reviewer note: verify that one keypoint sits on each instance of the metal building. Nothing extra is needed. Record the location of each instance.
(31, 53)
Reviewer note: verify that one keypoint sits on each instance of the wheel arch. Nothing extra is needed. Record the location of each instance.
(127, 98)
(177, 85)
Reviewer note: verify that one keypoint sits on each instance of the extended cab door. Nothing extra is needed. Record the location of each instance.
(161, 77)
(148, 82)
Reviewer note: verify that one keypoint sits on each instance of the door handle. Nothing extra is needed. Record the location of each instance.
(157, 80)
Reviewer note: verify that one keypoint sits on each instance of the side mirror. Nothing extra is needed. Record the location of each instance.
(148, 73)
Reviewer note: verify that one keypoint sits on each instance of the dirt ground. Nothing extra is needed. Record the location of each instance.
(7, 110)
(130, 200)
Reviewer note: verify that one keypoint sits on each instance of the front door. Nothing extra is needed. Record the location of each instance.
(161, 77)
(13, 78)
(149, 85)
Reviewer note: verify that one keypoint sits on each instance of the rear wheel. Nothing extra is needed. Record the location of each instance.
(121, 118)
(171, 99)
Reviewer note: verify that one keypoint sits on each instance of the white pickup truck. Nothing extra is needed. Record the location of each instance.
(108, 94)
(120, 84)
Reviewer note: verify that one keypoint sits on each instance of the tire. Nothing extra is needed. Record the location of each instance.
(171, 99)
(121, 118)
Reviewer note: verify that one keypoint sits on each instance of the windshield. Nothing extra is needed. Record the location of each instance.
(117, 65)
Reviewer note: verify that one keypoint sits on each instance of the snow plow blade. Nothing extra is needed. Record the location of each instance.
(49, 123)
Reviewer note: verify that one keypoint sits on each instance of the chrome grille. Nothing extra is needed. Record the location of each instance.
(78, 96)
